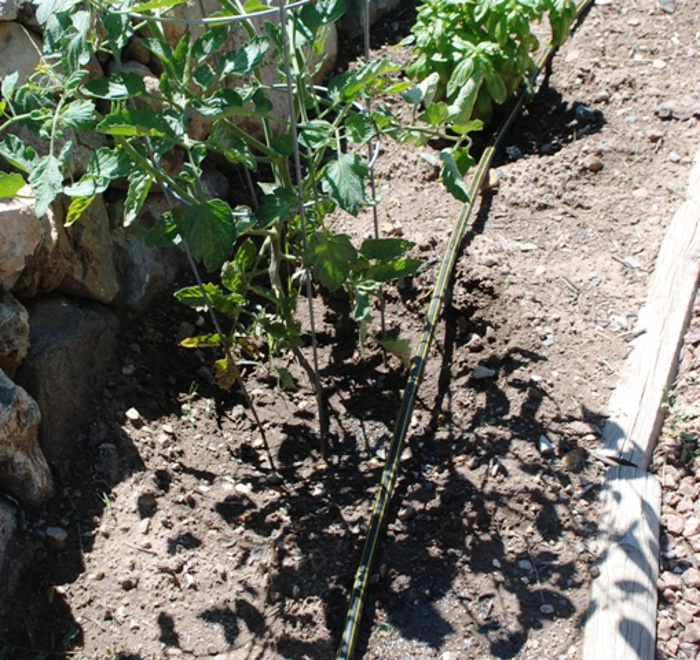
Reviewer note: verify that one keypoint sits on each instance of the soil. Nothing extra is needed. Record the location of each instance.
(181, 541)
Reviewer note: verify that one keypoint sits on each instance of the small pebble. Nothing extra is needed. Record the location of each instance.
(547, 609)
(133, 415)
(593, 163)
(573, 459)
(674, 157)
(691, 577)
(545, 445)
(482, 372)
(57, 537)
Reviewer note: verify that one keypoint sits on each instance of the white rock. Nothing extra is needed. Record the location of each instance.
(691, 527)
(133, 415)
(20, 234)
(545, 445)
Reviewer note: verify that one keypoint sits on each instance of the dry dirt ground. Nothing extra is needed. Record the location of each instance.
(181, 542)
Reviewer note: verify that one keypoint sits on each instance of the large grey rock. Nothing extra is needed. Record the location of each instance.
(21, 50)
(14, 333)
(144, 272)
(91, 272)
(76, 260)
(20, 234)
(45, 269)
(23, 469)
(353, 21)
(72, 343)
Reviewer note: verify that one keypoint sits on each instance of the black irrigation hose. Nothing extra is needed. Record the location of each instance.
(386, 486)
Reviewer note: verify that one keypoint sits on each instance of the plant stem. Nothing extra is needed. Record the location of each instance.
(320, 400)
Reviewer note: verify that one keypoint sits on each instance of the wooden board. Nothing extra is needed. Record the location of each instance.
(635, 407)
(621, 622)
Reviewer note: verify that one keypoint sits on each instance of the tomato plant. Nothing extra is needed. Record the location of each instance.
(260, 249)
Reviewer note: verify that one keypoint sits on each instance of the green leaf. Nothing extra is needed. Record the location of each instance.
(330, 10)
(109, 163)
(226, 372)
(331, 258)
(13, 150)
(77, 52)
(385, 249)
(496, 87)
(435, 114)
(343, 180)
(205, 77)
(452, 177)
(428, 88)
(46, 9)
(181, 57)
(362, 310)
(163, 232)
(212, 340)
(392, 270)
(9, 83)
(153, 5)
(77, 207)
(230, 103)
(78, 114)
(209, 43)
(276, 207)
(120, 86)
(284, 376)
(462, 72)
(224, 139)
(246, 60)
(347, 86)
(470, 127)
(119, 28)
(398, 347)
(193, 296)
(315, 134)
(135, 122)
(10, 184)
(161, 49)
(139, 187)
(47, 181)
(460, 110)
(210, 231)
(282, 144)
(252, 6)
(235, 274)
(359, 129)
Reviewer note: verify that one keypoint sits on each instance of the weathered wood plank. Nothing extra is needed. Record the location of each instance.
(635, 406)
(621, 622)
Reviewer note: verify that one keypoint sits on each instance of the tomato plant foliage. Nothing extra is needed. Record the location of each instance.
(261, 246)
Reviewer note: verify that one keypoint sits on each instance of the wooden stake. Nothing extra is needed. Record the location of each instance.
(635, 406)
(621, 623)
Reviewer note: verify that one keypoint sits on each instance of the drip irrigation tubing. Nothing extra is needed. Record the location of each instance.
(350, 631)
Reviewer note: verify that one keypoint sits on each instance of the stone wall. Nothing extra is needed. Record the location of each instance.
(63, 291)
